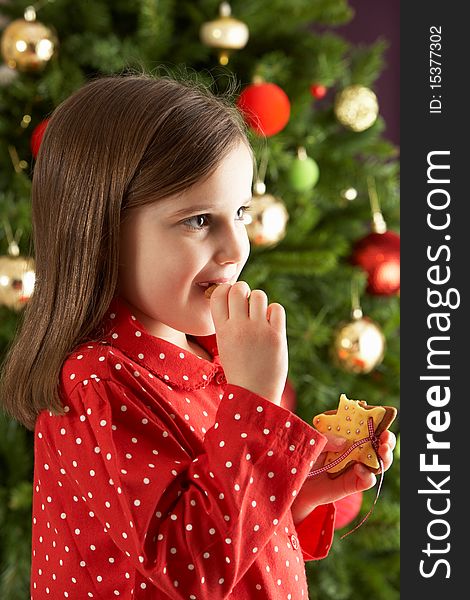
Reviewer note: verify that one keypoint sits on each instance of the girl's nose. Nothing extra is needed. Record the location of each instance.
(232, 245)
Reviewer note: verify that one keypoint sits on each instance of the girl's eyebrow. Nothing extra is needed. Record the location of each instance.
(199, 209)
(189, 209)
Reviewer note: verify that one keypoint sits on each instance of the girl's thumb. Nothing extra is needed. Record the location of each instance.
(335, 443)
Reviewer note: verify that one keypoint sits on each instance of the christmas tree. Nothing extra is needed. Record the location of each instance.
(324, 170)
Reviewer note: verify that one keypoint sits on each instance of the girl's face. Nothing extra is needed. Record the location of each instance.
(168, 248)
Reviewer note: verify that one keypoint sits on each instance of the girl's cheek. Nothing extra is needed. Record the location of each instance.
(247, 249)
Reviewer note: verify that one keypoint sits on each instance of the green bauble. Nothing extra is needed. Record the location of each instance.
(303, 174)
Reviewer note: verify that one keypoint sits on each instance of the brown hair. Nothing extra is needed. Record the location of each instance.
(117, 143)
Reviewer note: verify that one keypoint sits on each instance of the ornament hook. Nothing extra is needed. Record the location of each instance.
(13, 241)
(378, 225)
(260, 186)
(356, 310)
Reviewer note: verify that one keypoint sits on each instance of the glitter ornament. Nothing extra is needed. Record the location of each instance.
(359, 345)
(17, 274)
(356, 107)
(16, 281)
(267, 220)
(225, 33)
(27, 44)
(16, 278)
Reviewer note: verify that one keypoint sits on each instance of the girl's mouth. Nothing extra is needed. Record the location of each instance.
(208, 288)
(209, 291)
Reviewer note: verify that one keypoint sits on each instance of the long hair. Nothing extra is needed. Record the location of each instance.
(117, 143)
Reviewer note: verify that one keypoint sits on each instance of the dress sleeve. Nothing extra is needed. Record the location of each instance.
(316, 532)
(191, 522)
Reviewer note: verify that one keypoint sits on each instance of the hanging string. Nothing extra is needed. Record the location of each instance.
(378, 225)
(356, 310)
(366, 516)
(374, 440)
(263, 163)
(259, 186)
(31, 10)
(13, 241)
(18, 165)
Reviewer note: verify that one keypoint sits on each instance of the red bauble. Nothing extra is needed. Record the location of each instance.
(318, 91)
(289, 397)
(36, 136)
(265, 107)
(347, 509)
(379, 255)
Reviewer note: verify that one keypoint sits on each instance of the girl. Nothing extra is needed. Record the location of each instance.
(165, 466)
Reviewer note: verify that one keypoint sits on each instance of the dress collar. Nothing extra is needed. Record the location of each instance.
(170, 363)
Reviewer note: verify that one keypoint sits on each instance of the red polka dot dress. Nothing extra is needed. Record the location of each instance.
(162, 481)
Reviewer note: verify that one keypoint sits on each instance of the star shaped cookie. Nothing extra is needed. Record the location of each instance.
(350, 421)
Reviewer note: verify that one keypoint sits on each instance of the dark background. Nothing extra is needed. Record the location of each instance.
(406, 79)
(373, 20)
(421, 133)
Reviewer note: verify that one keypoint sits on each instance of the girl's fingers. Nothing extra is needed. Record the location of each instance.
(386, 454)
(358, 478)
(238, 300)
(258, 305)
(322, 489)
(387, 444)
(361, 478)
(276, 316)
(334, 443)
(388, 437)
(339, 444)
(219, 304)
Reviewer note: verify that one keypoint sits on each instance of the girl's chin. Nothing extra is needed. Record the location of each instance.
(202, 326)
(201, 319)
(202, 331)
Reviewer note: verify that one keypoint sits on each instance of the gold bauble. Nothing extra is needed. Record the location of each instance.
(359, 345)
(225, 33)
(356, 107)
(16, 281)
(266, 221)
(28, 45)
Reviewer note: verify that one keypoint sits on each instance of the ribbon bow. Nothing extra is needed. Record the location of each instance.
(374, 440)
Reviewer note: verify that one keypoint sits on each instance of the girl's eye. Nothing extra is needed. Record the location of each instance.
(200, 222)
(244, 210)
(196, 222)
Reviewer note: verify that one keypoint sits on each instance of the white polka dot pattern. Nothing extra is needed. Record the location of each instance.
(162, 480)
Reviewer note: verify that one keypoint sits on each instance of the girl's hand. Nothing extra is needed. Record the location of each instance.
(322, 490)
(251, 338)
